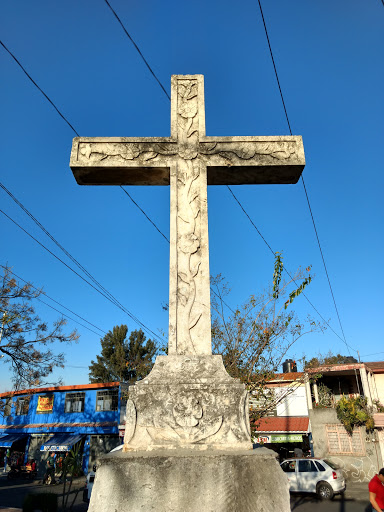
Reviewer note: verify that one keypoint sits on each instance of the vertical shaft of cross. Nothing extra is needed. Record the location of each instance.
(189, 290)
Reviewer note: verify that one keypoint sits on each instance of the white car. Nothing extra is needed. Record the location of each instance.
(320, 476)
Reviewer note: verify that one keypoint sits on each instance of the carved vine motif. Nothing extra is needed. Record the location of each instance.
(246, 150)
(127, 151)
(189, 244)
(189, 209)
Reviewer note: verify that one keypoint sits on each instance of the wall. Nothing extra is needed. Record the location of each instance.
(379, 380)
(58, 415)
(356, 468)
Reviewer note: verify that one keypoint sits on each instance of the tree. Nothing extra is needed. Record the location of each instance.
(255, 338)
(121, 359)
(327, 359)
(24, 338)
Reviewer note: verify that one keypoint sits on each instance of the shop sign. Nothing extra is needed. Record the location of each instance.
(45, 403)
(280, 438)
(262, 439)
(287, 438)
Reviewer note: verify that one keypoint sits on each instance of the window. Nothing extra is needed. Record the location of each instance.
(320, 467)
(107, 400)
(340, 442)
(288, 466)
(6, 406)
(74, 402)
(306, 466)
(22, 405)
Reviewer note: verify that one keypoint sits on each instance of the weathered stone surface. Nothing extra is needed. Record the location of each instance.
(185, 481)
(188, 161)
(188, 401)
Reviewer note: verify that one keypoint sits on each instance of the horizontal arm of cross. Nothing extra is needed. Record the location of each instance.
(252, 160)
(146, 160)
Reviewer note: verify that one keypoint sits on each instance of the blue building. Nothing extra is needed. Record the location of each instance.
(38, 421)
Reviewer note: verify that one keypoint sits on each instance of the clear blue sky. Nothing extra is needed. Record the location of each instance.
(329, 59)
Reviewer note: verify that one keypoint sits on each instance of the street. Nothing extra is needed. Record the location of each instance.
(12, 494)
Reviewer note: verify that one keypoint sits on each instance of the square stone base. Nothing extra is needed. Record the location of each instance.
(187, 481)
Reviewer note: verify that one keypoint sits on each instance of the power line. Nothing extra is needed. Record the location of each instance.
(56, 302)
(138, 49)
(143, 212)
(113, 301)
(237, 200)
(126, 191)
(302, 178)
(161, 233)
(35, 84)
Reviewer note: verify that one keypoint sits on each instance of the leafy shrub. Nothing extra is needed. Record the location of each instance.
(354, 412)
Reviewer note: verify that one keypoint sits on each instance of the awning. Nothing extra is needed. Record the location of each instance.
(8, 440)
(61, 443)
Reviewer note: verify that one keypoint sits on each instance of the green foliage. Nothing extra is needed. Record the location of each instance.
(325, 397)
(121, 359)
(329, 358)
(255, 338)
(354, 412)
(24, 338)
(379, 406)
(72, 467)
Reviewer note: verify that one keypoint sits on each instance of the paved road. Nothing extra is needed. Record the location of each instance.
(13, 492)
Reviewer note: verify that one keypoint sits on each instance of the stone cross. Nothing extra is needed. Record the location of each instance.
(188, 161)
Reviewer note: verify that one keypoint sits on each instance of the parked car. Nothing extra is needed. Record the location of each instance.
(87, 491)
(320, 476)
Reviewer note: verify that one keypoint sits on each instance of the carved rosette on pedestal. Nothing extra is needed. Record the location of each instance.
(187, 402)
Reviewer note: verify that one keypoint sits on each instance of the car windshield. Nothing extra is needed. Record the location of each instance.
(331, 464)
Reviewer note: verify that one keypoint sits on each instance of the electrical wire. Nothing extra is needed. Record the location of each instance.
(55, 301)
(35, 84)
(115, 302)
(137, 48)
(302, 178)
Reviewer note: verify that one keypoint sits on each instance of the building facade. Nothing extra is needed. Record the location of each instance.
(38, 421)
(361, 454)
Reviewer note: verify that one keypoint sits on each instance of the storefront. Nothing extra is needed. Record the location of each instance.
(287, 436)
(13, 449)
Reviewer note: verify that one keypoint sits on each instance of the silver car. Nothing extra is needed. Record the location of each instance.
(320, 476)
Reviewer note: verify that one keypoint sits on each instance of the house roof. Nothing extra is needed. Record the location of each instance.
(59, 388)
(376, 366)
(283, 424)
(288, 376)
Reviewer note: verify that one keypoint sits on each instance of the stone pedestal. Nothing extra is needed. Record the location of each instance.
(187, 402)
(190, 481)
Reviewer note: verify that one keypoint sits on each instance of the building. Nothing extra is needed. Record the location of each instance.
(361, 454)
(286, 426)
(37, 421)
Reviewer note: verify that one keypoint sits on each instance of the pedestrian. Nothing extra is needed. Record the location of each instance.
(49, 477)
(376, 491)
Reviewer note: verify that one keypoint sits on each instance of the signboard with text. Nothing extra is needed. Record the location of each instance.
(45, 403)
(278, 438)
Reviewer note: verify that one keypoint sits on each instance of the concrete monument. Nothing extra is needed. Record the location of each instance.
(188, 422)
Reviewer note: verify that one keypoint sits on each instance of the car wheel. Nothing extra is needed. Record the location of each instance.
(324, 491)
